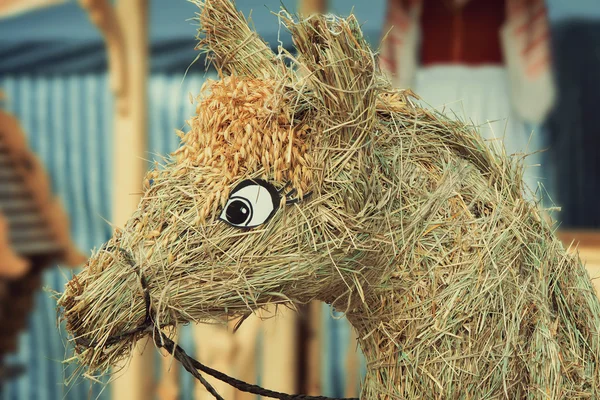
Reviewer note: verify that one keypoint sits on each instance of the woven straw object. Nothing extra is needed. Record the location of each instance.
(403, 219)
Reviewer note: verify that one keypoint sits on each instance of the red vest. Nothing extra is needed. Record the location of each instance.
(467, 35)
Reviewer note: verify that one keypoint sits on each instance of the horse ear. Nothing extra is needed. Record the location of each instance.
(340, 68)
(228, 41)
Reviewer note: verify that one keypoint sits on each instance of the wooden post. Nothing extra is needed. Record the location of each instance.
(352, 366)
(215, 348)
(314, 348)
(129, 166)
(131, 118)
(280, 364)
(307, 7)
(125, 30)
(168, 387)
(232, 353)
(245, 353)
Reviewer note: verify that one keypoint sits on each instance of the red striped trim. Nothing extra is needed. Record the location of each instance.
(535, 69)
(397, 41)
(540, 5)
(537, 53)
(543, 38)
(388, 59)
(515, 7)
(386, 64)
(399, 19)
(399, 12)
(541, 13)
(539, 29)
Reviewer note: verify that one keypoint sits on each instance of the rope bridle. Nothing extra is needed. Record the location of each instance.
(192, 365)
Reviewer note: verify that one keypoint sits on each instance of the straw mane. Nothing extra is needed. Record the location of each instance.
(415, 228)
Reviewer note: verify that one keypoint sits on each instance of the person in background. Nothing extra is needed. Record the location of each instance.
(485, 61)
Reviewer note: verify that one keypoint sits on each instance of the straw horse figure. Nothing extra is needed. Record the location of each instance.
(320, 181)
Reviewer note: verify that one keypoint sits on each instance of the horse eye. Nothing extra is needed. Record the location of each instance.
(238, 212)
(251, 203)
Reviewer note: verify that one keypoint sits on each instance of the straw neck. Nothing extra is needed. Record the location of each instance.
(382, 353)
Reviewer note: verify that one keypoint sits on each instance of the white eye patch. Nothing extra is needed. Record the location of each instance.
(250, 204)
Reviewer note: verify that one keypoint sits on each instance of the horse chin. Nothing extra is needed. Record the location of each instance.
(100, 359)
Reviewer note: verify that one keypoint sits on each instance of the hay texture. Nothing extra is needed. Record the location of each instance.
(403, 219)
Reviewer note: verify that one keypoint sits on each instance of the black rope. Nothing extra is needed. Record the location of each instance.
(193, 365)
(149, 323)
(190, 364)
(185, 360)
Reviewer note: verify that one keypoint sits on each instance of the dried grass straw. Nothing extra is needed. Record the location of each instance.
(416, 228)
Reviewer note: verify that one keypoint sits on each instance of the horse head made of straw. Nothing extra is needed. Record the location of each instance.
(312, 178)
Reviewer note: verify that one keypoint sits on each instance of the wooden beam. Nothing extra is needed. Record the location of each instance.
(129, 146)
(130, 141)
(105, 17)
(9, 8)
(580, 237)
(125, 30)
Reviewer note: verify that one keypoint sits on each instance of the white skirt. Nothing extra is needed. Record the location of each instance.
(480, 95)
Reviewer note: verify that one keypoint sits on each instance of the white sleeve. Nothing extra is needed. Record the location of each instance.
(526, 48)
(399, 52)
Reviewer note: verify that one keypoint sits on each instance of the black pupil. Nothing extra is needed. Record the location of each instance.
(237, 212)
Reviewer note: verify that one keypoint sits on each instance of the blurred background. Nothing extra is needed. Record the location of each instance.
(97, 88)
